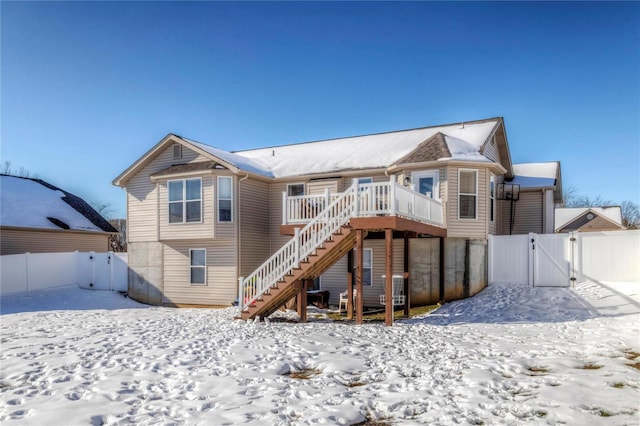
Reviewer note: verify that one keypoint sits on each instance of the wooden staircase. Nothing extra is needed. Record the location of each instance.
(313, 266)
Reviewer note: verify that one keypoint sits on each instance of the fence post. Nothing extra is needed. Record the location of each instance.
(532, 253)
(240, 295)
(26, 262)
(110, 263)
(284, 207)
(296, 248)
(356, 196)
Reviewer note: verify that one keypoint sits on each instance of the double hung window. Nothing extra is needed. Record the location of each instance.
(198, 266)
(467, 194)
(225, 199)
(185, 200)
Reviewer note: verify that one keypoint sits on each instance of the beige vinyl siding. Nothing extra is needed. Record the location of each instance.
(253, 224)
(142, 195)
(318, 187)
(491, 151)
(221, 282)
(334, 279)
(467, 228)
(17, 241)
(277, 240)
(528, 217)
(189, 230)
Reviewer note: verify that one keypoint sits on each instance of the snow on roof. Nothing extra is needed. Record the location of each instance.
(567, 214)
(535, 175)
(241, 162)
(28, 203)
(358, 152)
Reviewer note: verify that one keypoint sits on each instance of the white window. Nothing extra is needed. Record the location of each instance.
(198, 266)
(467, 194)
(295, 189)
(367, 266)
(185, 200)
(492, 197)
(426, 183)
(225, 199)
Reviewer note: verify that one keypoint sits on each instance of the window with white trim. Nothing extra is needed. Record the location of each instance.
(198, 266)
(295, 189)
(467, 194)
(427, 183)
(492, 197)
(225, 199)
(185, 200)
(367, 266)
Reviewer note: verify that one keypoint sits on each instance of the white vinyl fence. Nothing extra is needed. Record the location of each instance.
(559, 260)
(39, 271)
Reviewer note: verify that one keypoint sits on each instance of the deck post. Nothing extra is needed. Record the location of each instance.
(392, 196)
(442, 269)
(388, 291)
(296, 247)
(350, 285)
(407, 289)
(284, 207)
(301, 302)
(327, 198)
(359, 267)
(240, 295)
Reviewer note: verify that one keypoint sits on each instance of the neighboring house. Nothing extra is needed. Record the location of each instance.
(589, 219)
(37, 217)
(540, 190)
(199, 218)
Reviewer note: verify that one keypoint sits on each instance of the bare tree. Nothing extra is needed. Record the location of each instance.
(630, 215)
(119, 241)
(103, 208)
(21, 172)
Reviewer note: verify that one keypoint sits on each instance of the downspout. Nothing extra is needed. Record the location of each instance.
(238, 242)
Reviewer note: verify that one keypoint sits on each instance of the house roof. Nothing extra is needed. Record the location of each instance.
(463, 142)
(566, 215)
(34, 203)
(458, 141)
(536, 175)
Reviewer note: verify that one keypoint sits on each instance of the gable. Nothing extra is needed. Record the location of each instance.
(430, 150)
(590, 221)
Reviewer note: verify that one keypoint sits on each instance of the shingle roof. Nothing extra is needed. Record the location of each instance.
(34, 203)
(432, 149)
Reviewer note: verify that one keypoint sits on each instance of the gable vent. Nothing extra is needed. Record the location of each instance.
(177, 150)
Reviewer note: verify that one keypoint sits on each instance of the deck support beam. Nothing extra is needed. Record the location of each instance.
(301, 301)
(359, 273)
(441, 270)
(350, 285)
(388, 290)
(407, 289)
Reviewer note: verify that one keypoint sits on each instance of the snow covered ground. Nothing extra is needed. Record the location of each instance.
(511, 355)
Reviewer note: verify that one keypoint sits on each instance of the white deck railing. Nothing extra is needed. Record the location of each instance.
(373, 200)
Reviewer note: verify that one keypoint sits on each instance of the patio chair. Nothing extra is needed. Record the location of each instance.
(344, 299)
(399, 297)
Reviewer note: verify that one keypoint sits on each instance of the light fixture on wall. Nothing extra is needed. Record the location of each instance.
(407, 180)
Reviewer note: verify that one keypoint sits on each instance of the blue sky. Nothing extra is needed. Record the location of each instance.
(88, 87)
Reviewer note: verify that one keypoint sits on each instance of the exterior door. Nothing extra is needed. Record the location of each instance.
(551, 260)
(426, 183)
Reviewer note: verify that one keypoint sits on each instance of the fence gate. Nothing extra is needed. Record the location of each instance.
(101, 272)
(552, 256)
